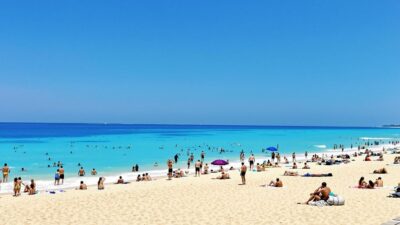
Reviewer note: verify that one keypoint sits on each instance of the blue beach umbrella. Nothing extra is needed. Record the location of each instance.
(272, 149)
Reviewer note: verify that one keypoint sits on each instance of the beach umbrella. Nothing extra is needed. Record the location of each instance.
(272, 149)
(219, 162)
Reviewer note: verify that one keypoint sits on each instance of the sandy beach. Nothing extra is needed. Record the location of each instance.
(193, 200)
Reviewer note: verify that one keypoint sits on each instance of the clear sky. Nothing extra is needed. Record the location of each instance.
(201, 62)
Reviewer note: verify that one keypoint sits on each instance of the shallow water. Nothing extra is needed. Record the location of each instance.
(113, 149)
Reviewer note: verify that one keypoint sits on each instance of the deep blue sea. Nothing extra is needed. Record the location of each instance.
(114, 148)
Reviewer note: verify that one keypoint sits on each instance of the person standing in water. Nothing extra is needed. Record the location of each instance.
(176, 157)
(169, 164)
(294, 157)
(202, 155)
(306, 154)
(243, 170)
(6, 172)
(81, 172)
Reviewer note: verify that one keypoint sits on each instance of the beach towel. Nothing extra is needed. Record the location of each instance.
(320, 203)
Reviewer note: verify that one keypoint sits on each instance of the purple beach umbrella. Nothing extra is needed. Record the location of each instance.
(219, 162)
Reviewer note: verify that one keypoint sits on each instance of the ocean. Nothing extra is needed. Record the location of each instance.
(113, 149)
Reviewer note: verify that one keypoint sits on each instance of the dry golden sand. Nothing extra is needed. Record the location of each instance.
(209, 201)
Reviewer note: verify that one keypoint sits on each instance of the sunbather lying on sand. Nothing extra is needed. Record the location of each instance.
(291, 173)
(317, 175)
(381, 171)
(277, 183)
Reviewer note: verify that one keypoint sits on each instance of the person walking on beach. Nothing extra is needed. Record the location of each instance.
(243, 170)
(81, 172)
(294, 157)
(169, 164)
(188, 163)
(61, 170)
(273, 156)
(197, 166)
(6, 172)
(251, 161)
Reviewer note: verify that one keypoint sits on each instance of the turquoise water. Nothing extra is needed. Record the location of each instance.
(113, 149)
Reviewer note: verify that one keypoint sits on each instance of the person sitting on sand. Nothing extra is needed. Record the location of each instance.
(380, 158)
(223, 176)
(322, 193)
(100, 183)
(205, 170)
(277, 183)
(259, 168)
(371, 184)
(139, 178)
(286, 161)
(381, 171)
(306, 166)
(291, 173)
(367, 158)
(120, 180)
(82, 186)
(294, 165)
(148, 178)
(32, 188)
(94, 172)
(379, 182)
(362, 183)
(396, 160)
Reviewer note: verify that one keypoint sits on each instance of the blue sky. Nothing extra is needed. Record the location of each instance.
(201, 62)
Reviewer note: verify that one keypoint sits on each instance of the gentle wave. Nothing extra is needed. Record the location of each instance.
(320, 146)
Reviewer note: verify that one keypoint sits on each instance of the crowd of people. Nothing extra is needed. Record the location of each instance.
(322, 193)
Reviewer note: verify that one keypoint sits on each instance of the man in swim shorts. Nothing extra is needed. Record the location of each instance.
(243, 170)
(322, 193)
(81, 172)
(170, 170)
(61, 171)
(197, 166)
(251, 161)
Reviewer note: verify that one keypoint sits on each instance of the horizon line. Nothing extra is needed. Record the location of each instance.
(190, 124)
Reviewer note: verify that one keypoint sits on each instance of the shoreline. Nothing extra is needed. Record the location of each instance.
(73, 182)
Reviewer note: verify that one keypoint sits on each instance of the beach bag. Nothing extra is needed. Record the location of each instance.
(335, 200)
